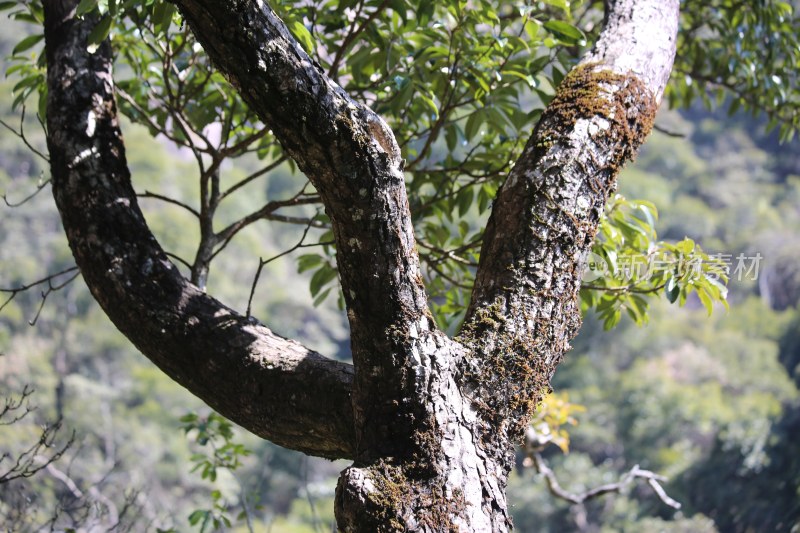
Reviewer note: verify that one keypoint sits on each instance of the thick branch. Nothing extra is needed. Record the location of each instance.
(524, 307)
(353, 160)
(274, 387)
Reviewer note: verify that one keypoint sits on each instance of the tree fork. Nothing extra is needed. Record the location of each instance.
(431, 422)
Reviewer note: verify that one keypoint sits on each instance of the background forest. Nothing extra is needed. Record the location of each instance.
(710, 402)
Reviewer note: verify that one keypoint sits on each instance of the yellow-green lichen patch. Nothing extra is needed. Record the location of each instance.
(590, 91)
(397, 495)
(509, 376)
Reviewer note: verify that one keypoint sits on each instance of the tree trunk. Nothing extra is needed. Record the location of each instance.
(429, 421)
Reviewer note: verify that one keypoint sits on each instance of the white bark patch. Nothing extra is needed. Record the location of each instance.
(91, 123)
(582, 205)
(83, 156)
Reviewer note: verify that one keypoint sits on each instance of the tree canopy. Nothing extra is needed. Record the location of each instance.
(406, 118)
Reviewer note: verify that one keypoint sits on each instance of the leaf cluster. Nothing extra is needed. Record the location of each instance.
(628, 263)
(745, 55)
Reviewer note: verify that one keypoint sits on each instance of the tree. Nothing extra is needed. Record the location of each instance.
(430, 421)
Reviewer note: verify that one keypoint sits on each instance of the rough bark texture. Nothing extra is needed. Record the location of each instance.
(353, 160)
(524, 307)
(429, 421)
(273, 386)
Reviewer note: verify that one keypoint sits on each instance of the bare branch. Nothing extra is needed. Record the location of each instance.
(41, 185)
(625, 480)
(51, 287)
(21, 134)
(11, 405)
(668, 132)
(267, 212)
(38, 455)
(275, 164)
(167, 199)
(144, 116)
(262, 263)
(179, 259)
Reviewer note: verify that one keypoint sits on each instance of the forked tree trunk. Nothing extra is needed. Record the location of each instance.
(430, 422)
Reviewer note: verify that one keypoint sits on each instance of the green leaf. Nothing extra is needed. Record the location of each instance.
(451, 137)
(42, 110)
(320, 278)
(430, 104)
(565, 32)
(27, 43)
(425, 12)
(321, 297)
(464, 200)
(100, 31)
(162, 16)
(308, 262)
(196, 516)
(302, 35)
(27, 82)
(85, 6)
(706, 300)
(474, 123)
(672, 290)
(399, 6)
(612, 319)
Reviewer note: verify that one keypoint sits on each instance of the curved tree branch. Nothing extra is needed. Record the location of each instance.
(624, 481)
(272, 386)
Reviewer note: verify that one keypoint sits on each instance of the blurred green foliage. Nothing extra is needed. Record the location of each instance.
(708, 402)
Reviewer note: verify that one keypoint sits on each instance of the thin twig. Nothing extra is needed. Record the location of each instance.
(262, 263)
(25, 465)
(253, 176)
(351, 36)
(173, 201)
(668, 132)
(178, 259)
(267, 212)
(39, 188)
(50, 288)
(626, 479)
(625, 288)
(21, 135)
(11, 405)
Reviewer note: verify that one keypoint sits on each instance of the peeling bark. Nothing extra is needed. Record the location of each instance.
(429, 421)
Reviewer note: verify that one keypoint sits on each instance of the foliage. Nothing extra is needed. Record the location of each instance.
(452, 80)
(726, 49)
(216, 433)
(548, 424)
(628, 263)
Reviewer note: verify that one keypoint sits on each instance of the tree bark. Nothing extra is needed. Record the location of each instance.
(429, 421)
(275, 387)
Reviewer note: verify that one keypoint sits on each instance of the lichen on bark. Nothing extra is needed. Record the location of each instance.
(432, 421)
(594, 90)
